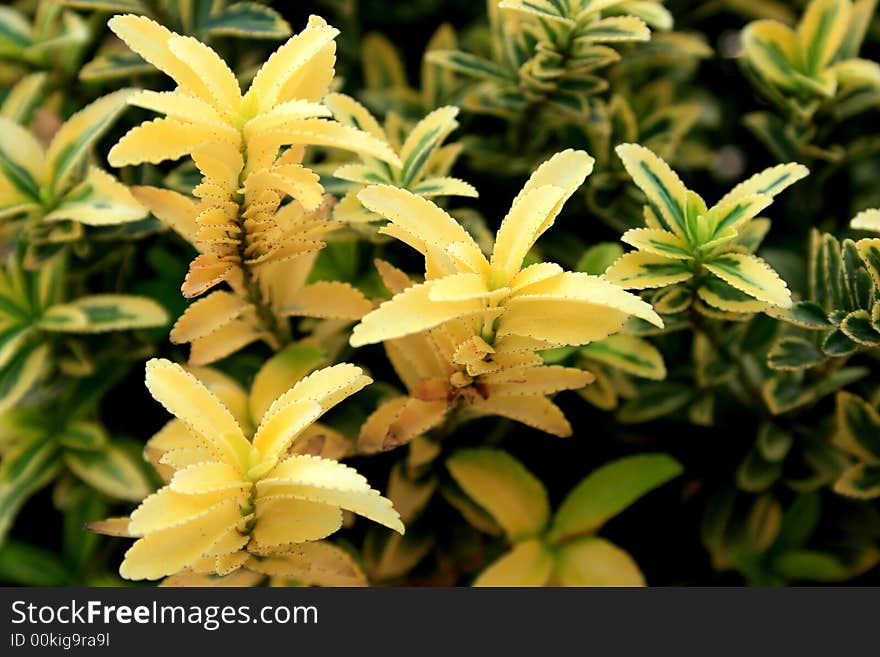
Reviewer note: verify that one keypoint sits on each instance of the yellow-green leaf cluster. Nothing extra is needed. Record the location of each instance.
(425, 160)
(560, 548)
(709, 249)
(815, 61)
(54, 189)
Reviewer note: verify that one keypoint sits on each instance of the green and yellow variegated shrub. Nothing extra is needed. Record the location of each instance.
(480, 219)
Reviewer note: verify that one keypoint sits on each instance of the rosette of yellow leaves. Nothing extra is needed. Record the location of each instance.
(234, 502)
(450, 367)
(425, 161)
(709, 248)
(540, 305)
(281, 107)
(245, 236)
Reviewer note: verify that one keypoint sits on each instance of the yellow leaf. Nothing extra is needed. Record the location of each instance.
(168, 508)
(528, 218)
(176, 105)
(166, 139)
(317, 563)
(422, 219)
(537, 412)
(567, 170)
(594, 561)
(282, 521)
(207, 315)
(867, 220)
(212, 70)
(168, 551)
(150, 40)
(528, 564)
(580, 288)
(544, 380)
(330, 299)
(287, 63)
(190, 401)
(281, 425)
(347, 110)
(320, 480)
(223, 341)
(412, 311)
(502, 486)
(281, 372)
(173, 209)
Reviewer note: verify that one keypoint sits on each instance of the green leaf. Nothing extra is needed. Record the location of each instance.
(15, 33)
(838, 344)
(628, 353)
(598, 258)
(79, 545)
(85, 436)
(499, 483)
(100, 200)
(593, 561)
(857, 326)
(21, 373)
(655, 401)
(247, 19)
(666, 194)
(811, 566)
(104, 312)
(23, 98)
(423, 141)
(616, 28)
(21, 164)
(609, 490)
(468, 64)
(752, 276)
(857, 427)
(792, 353)
(773, 443)
(474, 514)
(861, 481)
(71, 143)
(756, 474)
(822, 31)
(109, 6)
(799, 522)
(29, 565)
(25, 469)
(672, 300)
(113, 471)
(805, 314)
(110, 64)
(712, 369)
(762, 524)
(785, 392)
